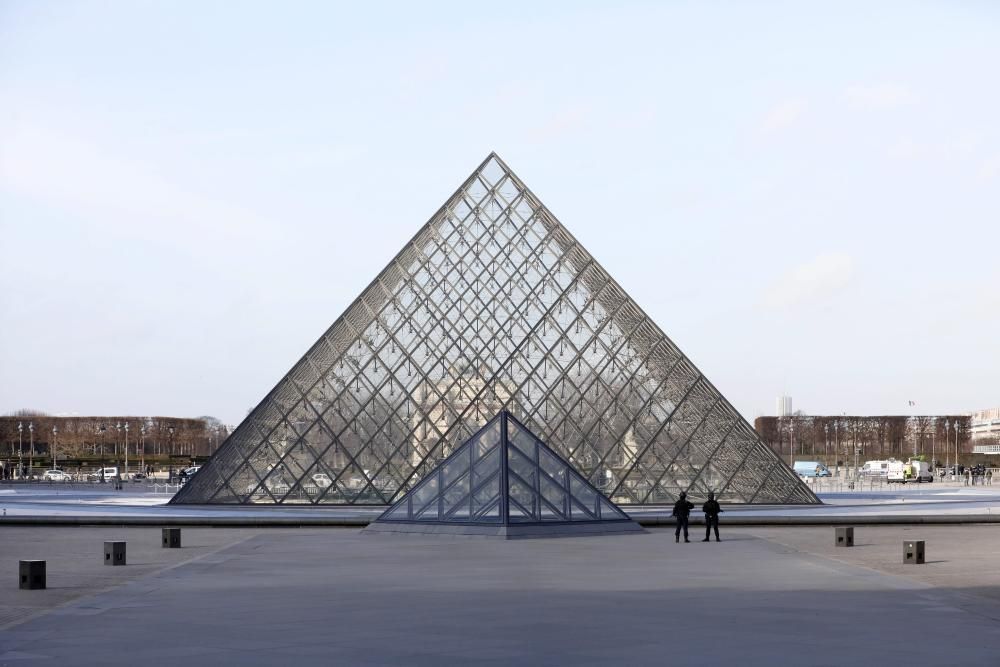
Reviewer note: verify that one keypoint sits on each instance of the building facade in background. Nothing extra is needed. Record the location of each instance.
(783, 406)
(985, 425)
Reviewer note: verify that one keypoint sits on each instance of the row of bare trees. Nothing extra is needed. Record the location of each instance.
(835, 438)
(88, 437)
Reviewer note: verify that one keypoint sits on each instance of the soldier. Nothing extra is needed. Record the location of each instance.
(712, 511)
(682, 509)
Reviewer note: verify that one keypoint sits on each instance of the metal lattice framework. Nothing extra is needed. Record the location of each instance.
(492, 305)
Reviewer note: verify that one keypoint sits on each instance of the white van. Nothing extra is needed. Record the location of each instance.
(811, 469)
(911, 471)
(109, 474)
(875, 469)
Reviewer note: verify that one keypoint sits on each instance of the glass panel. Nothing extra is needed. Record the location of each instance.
(556, 499)
(400, 512)
(522, 498)
(456, 498)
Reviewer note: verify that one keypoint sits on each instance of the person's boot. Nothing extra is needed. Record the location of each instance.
(686, 539)
(706, 540)
(677, 538)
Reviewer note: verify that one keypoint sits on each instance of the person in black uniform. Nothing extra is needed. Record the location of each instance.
(682, 509)
(712, 510)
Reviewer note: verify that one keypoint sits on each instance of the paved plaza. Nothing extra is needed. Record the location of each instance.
(763, 596)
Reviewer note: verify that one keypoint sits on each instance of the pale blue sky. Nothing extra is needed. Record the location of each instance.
(805, 196)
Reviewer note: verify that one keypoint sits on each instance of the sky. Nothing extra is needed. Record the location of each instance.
(805, 196)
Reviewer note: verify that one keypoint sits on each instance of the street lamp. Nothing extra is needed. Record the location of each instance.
(55, 440)
(836, 431)
(933, 434)
(826, 442)
(947, 449)
(956, 445)
(31, 452)
(142, 446)
(126, 450)
(103, 430)
(118, 435)
(791, 441)
(20, 451)
(170, 478)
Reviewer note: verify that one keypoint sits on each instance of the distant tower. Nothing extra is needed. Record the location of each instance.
(784, 406)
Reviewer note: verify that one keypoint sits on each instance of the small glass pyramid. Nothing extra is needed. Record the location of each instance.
(504, 482)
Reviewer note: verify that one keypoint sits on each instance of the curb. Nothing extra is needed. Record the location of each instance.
(360, 521)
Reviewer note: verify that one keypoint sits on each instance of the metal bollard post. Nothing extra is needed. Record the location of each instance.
(845, 536)
(114, 553)
(31, 574)
(171, 538)
(913, 552)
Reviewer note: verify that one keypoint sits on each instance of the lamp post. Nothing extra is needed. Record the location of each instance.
(31, 450)
(126, 450)
(933, 433)
(142, 446)
(20, 451)
(103, 430)
(118, 435)
(947, 449)
(956, 445)
(826, 441)
(55, 441)
(791, 442)
(836, 432)
(170, 478)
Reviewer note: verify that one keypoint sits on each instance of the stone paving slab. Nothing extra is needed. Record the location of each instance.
(335, 596)
(75, 562)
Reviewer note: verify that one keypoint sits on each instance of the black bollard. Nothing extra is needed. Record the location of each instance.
(171, 538)
(845, 536)
(913, 552)
(114, 553)
(32, 574)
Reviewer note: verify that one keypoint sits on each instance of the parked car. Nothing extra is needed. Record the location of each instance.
(276, 485)
(55, 475)
(322, 480)
(190, 471)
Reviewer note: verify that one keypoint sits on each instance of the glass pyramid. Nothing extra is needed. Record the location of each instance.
(492, 305)
(504, 477)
